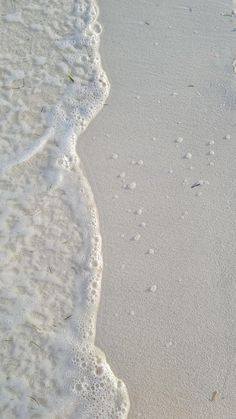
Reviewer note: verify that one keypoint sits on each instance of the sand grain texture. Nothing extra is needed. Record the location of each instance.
(171, 72)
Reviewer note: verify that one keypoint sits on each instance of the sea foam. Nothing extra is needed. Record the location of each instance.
(52, 86)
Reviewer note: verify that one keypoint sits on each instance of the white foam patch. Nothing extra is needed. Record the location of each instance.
(50, 246)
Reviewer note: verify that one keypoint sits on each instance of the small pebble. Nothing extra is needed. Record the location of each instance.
(211, 142)
(122, 175)
(137, 237)
(170, 171)
(114, 156)
(139, 211)
(151, 251)
(227, 137)
(138, 163)
(143, 224)
(211, 163)
(211, 153)
(184, 214)
(115, 196)
(131, 312)
(179, 140)
(131, 186)
(154, 139)
(153, 288)
(215, 396)
(169, 344)
(188, 156)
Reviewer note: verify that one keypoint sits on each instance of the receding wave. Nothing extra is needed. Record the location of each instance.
(52, 86)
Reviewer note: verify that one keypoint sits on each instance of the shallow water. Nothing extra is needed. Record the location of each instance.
(52, 86)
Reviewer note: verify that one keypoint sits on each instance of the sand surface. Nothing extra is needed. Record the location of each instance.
(160, 160)
(169, 124)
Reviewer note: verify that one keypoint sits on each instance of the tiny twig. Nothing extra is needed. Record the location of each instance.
(195, 185)
(68, 317)
(35, 344)
(71, 78)
(35, 400)
(15, 88)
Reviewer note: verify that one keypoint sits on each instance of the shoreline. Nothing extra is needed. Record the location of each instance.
(160, 161)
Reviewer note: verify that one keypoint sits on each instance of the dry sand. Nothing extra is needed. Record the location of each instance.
(172, 110)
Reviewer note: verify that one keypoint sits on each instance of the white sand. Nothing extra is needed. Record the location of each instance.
(170, 67)
(167, 316)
